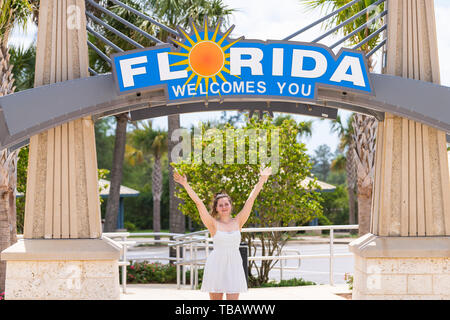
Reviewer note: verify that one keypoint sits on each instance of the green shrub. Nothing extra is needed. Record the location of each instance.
(144, 272)
(349, 280)
(324, 221)
(129, 226)
(288, 283)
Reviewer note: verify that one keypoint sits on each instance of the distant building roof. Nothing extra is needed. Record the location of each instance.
(104, 193)
(323, 185)
(124, 191)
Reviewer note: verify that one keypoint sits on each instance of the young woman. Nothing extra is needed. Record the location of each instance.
(224, 272)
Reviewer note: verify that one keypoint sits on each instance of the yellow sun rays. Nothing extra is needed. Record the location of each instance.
(191, 44)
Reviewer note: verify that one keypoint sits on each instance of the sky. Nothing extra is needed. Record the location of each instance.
(268, 19)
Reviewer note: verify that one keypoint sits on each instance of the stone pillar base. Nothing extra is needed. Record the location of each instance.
(401, 267)
(62, 270)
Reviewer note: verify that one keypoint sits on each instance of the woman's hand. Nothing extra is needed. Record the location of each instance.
(265, 173)
(181, 179)
(245, 212)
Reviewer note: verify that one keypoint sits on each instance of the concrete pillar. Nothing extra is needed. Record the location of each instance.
(406, 255)
(62, 201)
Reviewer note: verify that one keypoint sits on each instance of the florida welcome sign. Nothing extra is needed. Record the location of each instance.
(206, 64)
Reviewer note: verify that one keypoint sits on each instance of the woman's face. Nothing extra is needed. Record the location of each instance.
(223, 207)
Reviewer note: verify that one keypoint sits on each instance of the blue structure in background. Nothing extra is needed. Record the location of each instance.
(121, 216)
(125, 192)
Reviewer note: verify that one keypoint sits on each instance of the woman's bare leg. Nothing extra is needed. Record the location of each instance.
(216, 296)
(232, 296)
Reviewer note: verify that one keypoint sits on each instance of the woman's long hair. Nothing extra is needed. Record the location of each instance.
(216, 198)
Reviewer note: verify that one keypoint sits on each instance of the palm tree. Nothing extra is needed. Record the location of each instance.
(347, 162)
(159, 146)
(151, 142)
(304, 127)
(24, 61)
(365, 127)
(364, 134)
(8, 229)
(12, 12)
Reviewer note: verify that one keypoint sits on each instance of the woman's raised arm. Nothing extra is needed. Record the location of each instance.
(206, 218)
(242, 216)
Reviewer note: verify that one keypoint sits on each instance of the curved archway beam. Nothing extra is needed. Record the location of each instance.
(29, 112)
(274, 106)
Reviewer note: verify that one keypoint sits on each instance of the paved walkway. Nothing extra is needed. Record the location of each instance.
(170, 292)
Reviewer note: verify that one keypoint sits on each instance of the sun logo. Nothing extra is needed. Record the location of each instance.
(206, 57)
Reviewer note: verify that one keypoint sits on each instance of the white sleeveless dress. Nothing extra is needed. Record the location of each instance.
(224, 271)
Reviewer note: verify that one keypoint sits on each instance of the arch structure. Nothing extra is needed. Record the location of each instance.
(406, 252)
(52, 105)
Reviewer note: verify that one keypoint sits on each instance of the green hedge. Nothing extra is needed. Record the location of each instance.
(288, 283)
(144, 272)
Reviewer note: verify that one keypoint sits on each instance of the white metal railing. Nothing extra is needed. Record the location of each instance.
(331, 255)
(200, 240)
(283, 260)
(124, 243)
(192, 242)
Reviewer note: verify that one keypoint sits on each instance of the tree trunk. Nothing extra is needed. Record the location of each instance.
(6, 75)
(112, 205)
(5, 239)
(8, 227)
(8, 170)
(12, 185)
(157, 192)
(364, 135)
(364, 209)
(351, 183)
(176, 218)
(352, 208)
